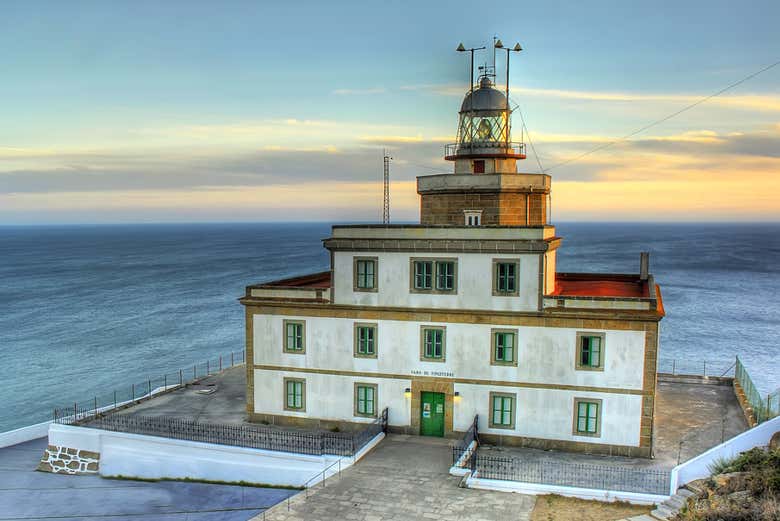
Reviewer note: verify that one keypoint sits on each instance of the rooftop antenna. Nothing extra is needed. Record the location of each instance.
(386, 210)
(517, 48)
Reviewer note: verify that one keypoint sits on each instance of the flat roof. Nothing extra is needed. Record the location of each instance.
(319, 280)
(600, 285)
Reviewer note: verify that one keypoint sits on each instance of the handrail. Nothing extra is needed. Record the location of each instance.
(322, 473)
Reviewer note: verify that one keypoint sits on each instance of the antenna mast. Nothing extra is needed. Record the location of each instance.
(386, 210)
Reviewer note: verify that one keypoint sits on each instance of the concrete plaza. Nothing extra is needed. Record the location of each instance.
(30, 495)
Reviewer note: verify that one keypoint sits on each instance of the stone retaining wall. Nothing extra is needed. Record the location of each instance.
(63, 460)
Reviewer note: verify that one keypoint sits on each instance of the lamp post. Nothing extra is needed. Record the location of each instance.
(461, 48)
(516, 48)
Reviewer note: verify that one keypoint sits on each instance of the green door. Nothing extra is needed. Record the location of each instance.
(432, 414)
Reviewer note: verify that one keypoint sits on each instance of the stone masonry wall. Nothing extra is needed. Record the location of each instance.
(506, 209)
(62, 460)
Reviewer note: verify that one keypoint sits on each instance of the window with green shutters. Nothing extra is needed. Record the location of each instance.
(504, 347)
(365, 274)
(433, 344)
(505, 278)
(423, 275)
(586, 421)
(294, 394)
(445, 275)
(502, 415)
(294, 339)
(590, 351)
(365, 340)
(365, 400)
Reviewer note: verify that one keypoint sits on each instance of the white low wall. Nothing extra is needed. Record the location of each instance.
(582, 493)
(23, 434)
(134, 455)
(699, 467)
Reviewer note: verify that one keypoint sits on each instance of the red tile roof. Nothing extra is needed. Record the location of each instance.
(597, 285)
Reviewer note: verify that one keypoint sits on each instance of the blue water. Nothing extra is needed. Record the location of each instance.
(84, 309)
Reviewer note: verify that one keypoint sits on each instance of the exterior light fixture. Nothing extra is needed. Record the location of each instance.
(408, 392)
(457, 397)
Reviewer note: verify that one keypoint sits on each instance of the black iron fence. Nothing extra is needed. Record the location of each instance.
(314, 442)
(569, 474)
(463, 447)
(143, 389)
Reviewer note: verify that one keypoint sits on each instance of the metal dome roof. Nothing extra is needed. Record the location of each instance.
(484, 98)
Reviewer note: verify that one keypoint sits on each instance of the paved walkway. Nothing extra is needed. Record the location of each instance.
(404, 478)
(29, 495)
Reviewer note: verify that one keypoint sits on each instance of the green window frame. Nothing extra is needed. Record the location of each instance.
(423, 275)
(365, 399)
(445, 275)
(365, 273)
(587, 417)
(506, 278)
(365, 340)
(590, 351)
(502, 411)
(294, 394)
(504, 347)
(294, 336)
(432, 344)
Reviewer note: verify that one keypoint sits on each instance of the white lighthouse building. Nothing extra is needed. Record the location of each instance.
(463, 314)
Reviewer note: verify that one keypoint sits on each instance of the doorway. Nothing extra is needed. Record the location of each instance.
(431, 414)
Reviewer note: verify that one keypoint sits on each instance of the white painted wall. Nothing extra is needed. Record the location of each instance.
(23, 434)
(331, 397)
(699, 467)
(474, 287)
(134, 455)
(548, 414)
(546, 355)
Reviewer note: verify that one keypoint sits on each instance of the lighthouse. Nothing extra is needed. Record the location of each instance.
(463, 317)
(485, 187)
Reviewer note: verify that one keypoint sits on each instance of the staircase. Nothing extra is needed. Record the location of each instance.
(666, 510)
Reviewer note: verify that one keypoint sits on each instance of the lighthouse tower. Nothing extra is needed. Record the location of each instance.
(485, 187)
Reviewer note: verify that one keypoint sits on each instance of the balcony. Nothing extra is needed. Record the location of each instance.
(476, 149)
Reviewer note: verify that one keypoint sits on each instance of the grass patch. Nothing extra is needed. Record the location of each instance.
(559, 508)
(206, 481)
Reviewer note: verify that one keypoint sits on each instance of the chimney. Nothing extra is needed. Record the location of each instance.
(644, 265)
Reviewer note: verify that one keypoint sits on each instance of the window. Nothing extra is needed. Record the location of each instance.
(423, 275)
(479, 166)
(587, 417)
(295, 394)
(505, 277)
(432, 344)
(445, 275)
(504, 350)
(294, 336)
(590, 351)
(365, 270)
(502, 411)
(365, 399)
(434, 275)
(473, 217)
(365, 340)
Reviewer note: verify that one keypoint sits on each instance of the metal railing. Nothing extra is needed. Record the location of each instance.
(313, 442)
(581, 475)
(763, 409)
(679, 366)
(144, 389)
(484, 147)
(462, 451)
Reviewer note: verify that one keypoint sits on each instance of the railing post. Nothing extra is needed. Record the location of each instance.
(705, 367)
(95, 409)
(75, 411)
(114, 399)
(181, 378)
(149, 381)
(132, 392)
(165, 382)
(220, 363)
(231, 359)
(674, 363)
(208, 369)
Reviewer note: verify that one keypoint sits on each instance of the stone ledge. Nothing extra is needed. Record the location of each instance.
(65, 460)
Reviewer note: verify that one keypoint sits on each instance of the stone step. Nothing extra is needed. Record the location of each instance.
(663, 512)
(675, 502)
(685, 492)
(643, 517)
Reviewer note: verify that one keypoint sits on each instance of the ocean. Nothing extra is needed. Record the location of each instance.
(84, 309)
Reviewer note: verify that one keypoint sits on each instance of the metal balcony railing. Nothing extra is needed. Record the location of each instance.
(485, 147)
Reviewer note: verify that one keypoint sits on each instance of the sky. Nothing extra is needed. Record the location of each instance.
(193, 111)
